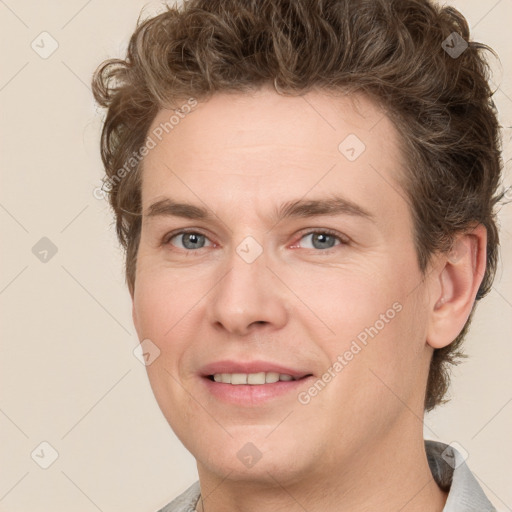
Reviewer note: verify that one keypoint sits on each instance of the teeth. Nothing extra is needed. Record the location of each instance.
(238, 378)
(271, 377)
(255, 378)
(251, 378)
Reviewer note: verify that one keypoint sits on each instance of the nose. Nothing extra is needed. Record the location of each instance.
(249, 294)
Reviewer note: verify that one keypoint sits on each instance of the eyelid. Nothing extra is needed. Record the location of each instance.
(344, 240)
(169, 236)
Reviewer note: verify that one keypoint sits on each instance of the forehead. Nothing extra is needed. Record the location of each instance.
(265, 117)
(263, 147)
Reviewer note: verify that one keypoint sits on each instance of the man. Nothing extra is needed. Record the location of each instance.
(305, 192)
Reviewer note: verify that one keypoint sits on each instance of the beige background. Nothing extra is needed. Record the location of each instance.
(68, 375)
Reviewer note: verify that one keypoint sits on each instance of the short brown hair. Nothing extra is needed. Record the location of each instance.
(395, 51)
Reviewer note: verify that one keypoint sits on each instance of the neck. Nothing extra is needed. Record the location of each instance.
(388, 476)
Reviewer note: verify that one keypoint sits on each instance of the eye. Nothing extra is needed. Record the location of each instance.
(321, 239)
(324, 239)
(190, 240)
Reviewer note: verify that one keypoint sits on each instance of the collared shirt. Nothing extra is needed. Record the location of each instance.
(452, 474)
(448, 467)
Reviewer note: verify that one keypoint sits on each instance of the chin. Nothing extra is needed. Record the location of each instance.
(257, 458)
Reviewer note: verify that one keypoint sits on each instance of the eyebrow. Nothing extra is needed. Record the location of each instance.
(299, 208)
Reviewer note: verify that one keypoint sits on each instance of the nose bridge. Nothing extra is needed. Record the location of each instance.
(248, 292)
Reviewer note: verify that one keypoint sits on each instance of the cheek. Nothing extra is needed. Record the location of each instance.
(380, 327)
(150, 303)
(354, 307)
(162, 299)
(391, 367)
(169, 305)
(161, 307)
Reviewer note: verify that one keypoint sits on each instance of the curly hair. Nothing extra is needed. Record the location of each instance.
(413, 58)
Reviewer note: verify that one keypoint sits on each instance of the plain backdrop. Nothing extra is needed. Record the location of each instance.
(68, 375)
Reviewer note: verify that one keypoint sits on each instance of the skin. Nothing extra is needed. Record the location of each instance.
(358, 444)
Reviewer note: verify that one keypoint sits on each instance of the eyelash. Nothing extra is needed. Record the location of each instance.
(343, 239)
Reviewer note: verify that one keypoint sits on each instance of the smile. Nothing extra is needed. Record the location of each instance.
(255, 379)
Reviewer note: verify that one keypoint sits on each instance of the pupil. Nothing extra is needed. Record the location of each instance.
(324, 237)
(193, 238)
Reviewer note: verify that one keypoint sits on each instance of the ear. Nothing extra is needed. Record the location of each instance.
(454, 285)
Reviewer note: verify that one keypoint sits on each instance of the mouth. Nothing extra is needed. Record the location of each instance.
(253, 383)
(253, 379)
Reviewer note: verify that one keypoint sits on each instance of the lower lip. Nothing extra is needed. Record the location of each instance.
(248, 394)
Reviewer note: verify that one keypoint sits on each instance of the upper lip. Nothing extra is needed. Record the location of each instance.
(227, 366)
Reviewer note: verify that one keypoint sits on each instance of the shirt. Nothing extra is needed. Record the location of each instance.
(448, 467)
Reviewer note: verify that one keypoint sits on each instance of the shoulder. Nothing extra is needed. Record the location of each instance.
(452, 474)
(185, 502)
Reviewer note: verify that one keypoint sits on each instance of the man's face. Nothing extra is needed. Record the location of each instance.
(252, 290)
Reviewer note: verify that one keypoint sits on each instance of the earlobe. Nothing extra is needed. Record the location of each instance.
(456, 283)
